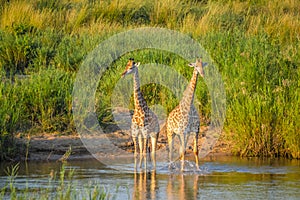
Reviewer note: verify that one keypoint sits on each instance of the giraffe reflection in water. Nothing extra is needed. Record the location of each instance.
(179, 186)
(145, 186)
(182, 186)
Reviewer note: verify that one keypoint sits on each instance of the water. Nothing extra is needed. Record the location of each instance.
(218, 178)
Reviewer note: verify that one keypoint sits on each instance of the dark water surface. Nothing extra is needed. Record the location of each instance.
(219, 178)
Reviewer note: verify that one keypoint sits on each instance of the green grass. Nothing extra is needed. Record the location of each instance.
(262, 95)
(254, 44)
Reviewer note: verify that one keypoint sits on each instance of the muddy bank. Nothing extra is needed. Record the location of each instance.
(52, 147)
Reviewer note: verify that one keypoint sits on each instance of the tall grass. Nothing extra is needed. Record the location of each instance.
(260, 97)
(254, 43)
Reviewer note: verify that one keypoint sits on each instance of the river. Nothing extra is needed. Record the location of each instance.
(219, 178)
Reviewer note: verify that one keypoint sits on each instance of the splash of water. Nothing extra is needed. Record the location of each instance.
(190, 167)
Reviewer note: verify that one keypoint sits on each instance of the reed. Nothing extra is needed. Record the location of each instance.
(61, 187)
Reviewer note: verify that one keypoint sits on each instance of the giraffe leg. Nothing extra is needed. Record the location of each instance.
(134, 138)
(134, 135)
(170, 142)
(153, 150)
(196, 153)
(145, 152)
(182, 151)
(141, 149)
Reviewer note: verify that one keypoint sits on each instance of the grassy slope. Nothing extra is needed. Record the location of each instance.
(255, 44)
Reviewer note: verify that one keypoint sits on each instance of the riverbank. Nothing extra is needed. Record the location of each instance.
(55, 147)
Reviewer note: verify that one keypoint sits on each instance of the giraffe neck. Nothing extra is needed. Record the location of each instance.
(188, 94)
(139, 100)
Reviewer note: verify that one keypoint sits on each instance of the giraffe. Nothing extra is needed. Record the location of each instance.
(183, 119)
(144, 121)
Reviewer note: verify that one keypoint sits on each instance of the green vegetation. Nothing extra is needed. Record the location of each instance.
(61, 187)
(255, 44)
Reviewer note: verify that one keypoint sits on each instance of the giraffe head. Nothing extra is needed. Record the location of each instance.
(199, 65)
(131, 67)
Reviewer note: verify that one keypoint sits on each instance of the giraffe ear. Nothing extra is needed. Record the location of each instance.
(192, 64)
(137, 64)
(204, 64)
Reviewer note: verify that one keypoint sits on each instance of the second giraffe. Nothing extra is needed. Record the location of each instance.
(183, 119)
